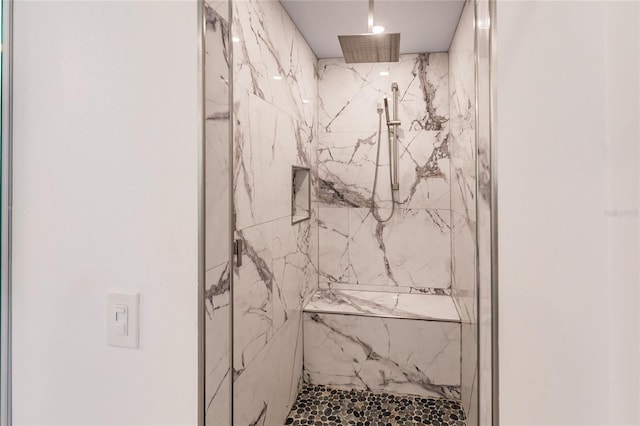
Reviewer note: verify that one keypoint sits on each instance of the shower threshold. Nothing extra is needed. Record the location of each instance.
(323, 405)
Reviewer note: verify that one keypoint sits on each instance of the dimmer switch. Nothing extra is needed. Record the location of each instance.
(122, 319)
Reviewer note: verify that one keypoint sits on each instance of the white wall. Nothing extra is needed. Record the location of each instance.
(622, 62)
(106, 128)
(567, 81)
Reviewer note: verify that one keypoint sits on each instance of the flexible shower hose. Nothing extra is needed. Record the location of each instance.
(374, 209)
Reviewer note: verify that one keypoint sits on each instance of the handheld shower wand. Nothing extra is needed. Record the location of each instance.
(392, 132)
(392, 127)
(386, 110)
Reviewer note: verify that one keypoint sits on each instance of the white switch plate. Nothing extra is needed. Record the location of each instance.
(122, 319)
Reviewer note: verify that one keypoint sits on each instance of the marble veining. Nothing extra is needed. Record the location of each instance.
(217, 322)
(274, 128)
(398, 305)
(346, 164)
(386, 253)
(275, 120)
(267, 389)
(386, 289)
(353, 248)
(356, 249)
(253, 297)
(348, 91)
(216, 136)
(463, 150)
(217, 341)
(395, 355)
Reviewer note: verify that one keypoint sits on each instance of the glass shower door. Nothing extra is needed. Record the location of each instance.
(5, 142)
(217, 214)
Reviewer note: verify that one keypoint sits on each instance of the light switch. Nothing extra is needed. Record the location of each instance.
(122, 319)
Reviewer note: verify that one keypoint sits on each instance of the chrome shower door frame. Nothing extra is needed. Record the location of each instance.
(486, 205)
(5, 214)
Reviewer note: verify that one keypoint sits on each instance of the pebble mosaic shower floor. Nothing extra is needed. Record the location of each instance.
(321, 405)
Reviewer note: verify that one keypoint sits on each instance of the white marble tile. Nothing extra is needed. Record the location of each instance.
(271, 46)
(274, 127)
(346, 168)
(484, 318)
(267, 142)
(217, 207)
(462, 144)
(463, 181)
(463, 274)
(462, 147)
(218, 410)
(413, 249)
(265, 392)
(424, 170)
(362, 287)
(220, 6)
(312, 277)
(253, 296)
(292, 267)
(401, 305)
(405, 356)
(347, 165)
(346, 158)
(216, 65)
(217, 141)
(385, 288)
(217, 345)
(333, 235)
(217, 187)
(469, 371)
(270, 287)
(264, 151)
(349, 93)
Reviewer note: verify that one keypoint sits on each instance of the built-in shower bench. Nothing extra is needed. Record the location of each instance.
(395, 342)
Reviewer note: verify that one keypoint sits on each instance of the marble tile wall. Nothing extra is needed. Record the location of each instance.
(411, 252)
(267, 389)
(274, 123)
(217, 215)
(463, 200)
(417, 357)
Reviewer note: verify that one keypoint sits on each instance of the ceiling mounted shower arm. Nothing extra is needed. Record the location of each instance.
(370, 19)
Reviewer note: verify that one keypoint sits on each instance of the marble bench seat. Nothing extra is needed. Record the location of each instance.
(377, 303)
(394, 342)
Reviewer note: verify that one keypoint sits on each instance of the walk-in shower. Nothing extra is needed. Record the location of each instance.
(374, 296)
(392, 137)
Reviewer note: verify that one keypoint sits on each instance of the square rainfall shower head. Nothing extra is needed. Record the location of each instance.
(360, 48)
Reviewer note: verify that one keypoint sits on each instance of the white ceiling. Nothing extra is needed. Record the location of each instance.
(425, 25)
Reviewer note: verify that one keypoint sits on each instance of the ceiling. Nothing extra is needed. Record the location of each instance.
(425, 25)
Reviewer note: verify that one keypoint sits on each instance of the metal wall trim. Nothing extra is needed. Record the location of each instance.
(200, 28)
(6, 215)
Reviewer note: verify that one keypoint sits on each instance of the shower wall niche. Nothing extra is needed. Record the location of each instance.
(411, 252)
